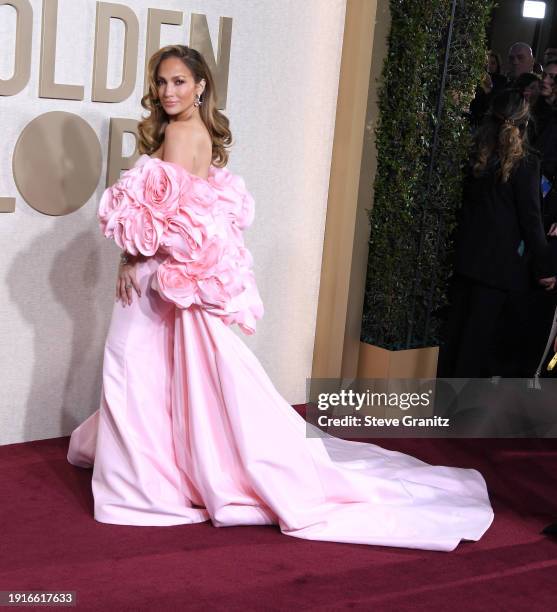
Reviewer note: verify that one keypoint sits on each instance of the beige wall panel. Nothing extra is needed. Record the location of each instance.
(337, 341)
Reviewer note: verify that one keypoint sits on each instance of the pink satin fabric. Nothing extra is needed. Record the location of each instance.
(190, 429)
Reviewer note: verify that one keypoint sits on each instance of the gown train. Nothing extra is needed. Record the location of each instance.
(190, 428)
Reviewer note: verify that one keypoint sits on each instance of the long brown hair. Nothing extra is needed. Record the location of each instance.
(151, 128)
(497, 59)
(502, 137)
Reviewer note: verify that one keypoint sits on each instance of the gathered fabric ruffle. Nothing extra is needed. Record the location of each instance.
(197, 224)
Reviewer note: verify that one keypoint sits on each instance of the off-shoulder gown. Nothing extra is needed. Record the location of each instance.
(190, 428)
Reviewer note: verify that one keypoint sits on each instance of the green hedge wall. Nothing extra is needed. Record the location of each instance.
(416, 194)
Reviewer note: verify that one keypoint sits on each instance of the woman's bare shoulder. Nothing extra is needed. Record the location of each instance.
(186, 131)
(187, 143)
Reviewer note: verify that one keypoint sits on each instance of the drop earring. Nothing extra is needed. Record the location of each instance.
(197, 101)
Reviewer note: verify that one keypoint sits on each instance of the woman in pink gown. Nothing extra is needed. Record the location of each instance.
(190, 427)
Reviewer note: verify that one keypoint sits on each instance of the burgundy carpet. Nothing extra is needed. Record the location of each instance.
(50, 541)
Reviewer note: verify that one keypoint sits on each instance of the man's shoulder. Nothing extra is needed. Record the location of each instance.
(499, 81)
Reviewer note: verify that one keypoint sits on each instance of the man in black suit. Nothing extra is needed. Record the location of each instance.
(521, 60)
(538, 306)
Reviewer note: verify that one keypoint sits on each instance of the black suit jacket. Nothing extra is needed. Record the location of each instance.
(482, 100)
(500, 239)
(544, 140)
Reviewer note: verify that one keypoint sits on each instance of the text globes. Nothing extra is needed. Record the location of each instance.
(57, 160)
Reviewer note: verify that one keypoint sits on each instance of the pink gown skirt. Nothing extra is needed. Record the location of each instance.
(190, 428)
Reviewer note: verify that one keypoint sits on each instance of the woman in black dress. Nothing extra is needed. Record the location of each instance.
(501, 247)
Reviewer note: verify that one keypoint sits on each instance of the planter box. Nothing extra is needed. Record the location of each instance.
(377, 362)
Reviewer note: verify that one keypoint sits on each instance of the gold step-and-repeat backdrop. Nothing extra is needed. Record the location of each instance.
(72, 73)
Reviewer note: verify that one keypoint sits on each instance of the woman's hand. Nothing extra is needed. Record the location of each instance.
(486, 83)
(552, 230)
(126, 281)
(548, 283)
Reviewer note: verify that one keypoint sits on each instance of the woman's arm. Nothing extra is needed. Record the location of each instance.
(179, 147)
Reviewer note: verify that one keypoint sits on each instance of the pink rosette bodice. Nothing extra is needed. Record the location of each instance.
(196, 224)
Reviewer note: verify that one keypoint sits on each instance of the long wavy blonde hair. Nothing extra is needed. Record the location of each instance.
(151, 128)
(503, 136)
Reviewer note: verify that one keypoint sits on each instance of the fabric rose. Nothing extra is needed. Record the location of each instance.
(243, 309)
(184, 237)
(114, 202)
(213, 291)
(223, 180)
(201, 262)
(234, 199)
(164, 182)
(138, 231)
(223, 275)
(245, 211)
(173, 284)
(198, 198)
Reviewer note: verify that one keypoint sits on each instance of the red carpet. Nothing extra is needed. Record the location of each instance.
(51, 542)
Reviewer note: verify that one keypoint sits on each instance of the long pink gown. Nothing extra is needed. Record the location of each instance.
(190, 428)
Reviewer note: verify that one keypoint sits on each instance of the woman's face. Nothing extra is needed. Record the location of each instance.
(532, 92)
(176, 87)
(491, 64)
(548, 81)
